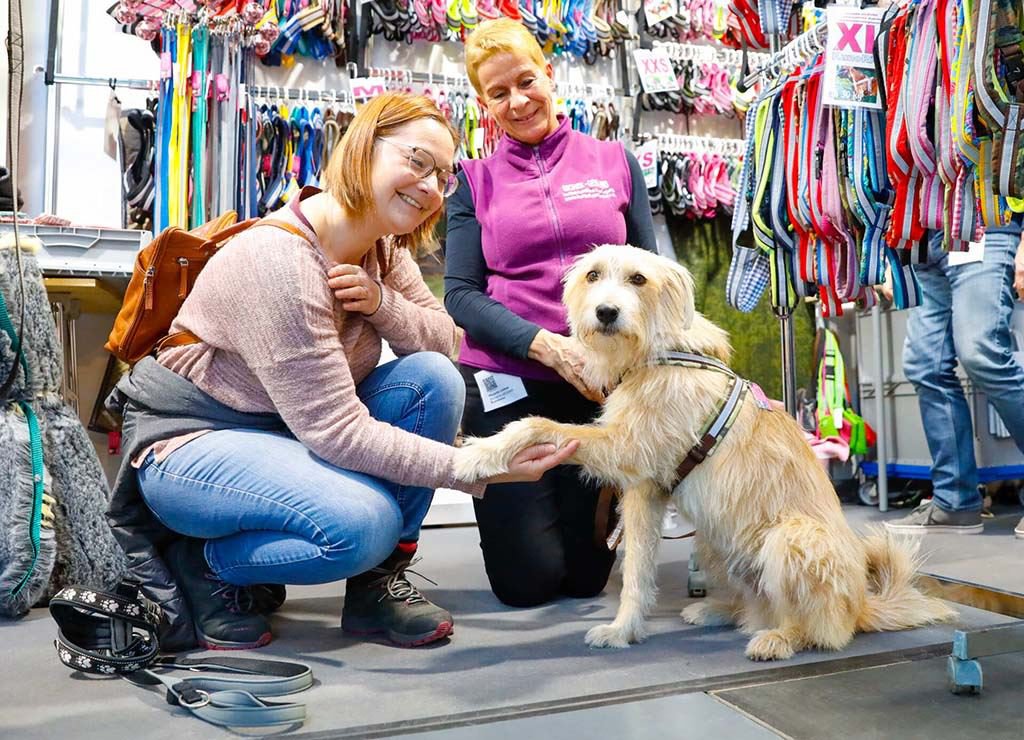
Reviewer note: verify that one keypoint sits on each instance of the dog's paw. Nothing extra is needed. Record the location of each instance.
(705, 614)
(769, 645)
(479, 458)
(611, 635)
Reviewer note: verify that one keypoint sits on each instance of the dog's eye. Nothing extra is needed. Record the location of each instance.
(637, 279)
(592, 276)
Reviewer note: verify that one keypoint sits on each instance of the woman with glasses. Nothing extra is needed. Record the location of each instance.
(519, 218)
(275, 449)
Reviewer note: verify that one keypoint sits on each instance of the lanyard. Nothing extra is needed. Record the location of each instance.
(998, 27)
(749, 272)
(792, 102)
(200, 71)
(161, 217)
(905, 226)
(178, 211)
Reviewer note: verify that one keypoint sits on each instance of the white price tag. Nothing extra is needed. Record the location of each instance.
(655, 68)
(974, 253)
(364, 88)
(647, 156)
(659, 10)
(498, 389)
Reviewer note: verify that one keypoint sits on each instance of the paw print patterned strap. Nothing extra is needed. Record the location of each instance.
(115, 634)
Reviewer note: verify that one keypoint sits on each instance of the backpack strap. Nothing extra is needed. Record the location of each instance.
(182, 338)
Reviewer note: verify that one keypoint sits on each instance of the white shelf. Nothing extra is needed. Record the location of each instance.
(84, 250)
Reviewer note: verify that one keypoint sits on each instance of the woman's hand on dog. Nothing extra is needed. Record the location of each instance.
(533, 461)
(563, 355)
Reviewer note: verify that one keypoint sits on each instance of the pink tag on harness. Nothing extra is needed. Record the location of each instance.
(759, 396)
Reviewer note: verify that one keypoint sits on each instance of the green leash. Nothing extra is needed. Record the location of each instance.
(36, 445)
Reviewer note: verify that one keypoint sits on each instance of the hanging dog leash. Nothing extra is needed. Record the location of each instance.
(115, 634)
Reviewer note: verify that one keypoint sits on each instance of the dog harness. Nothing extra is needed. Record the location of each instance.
(722, 419)
(713, 431)
(115, 634)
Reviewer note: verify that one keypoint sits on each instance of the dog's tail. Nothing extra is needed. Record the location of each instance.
(893, 601)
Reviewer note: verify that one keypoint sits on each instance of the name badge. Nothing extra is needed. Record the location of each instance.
(499, 389)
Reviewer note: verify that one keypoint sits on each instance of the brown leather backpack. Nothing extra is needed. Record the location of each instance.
(165, 271)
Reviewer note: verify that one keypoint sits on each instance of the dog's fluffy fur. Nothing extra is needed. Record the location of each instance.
(782, 563)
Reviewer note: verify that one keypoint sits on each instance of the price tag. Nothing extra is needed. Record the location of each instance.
(364, 88)
(850, 78)
(647, 156)
(975, 253)
(655, 68)
(659, 10)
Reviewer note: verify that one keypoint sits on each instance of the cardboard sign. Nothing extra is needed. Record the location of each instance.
(364, 88)
(655, 68)
(659, 10)
(851, 80)
(647, 156)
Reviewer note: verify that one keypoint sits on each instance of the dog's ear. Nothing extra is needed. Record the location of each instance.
(573, 273)
(677, 295)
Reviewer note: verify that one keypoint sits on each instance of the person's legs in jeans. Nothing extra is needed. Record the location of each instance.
(258, 507)
(929, 362)
(421, 393)
(269, 510)
(285, 516)
(983, 301)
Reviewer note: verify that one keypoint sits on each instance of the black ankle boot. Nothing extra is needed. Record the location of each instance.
(222, 613)
(382, 600)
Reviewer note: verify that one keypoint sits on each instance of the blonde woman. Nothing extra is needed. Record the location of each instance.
(275, 450)
(519, 218)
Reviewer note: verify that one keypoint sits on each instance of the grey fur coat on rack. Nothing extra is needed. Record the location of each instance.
(80, 548)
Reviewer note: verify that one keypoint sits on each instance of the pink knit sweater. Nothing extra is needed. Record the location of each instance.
(276, 340)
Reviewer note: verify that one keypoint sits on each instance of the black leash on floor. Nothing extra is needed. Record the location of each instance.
(115, 634)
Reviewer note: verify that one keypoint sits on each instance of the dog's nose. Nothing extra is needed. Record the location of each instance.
(607, 314)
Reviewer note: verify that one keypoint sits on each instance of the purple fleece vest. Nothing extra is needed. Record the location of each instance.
(539, 208)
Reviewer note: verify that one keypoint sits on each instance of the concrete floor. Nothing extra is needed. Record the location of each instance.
(507, 672)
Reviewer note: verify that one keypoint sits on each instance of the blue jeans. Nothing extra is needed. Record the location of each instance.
(273, 512)
(965, 316)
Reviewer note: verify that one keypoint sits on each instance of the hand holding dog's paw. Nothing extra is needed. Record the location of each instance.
(611, 635)
(481, 460)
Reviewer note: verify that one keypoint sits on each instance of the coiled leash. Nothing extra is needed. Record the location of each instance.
(115, 634)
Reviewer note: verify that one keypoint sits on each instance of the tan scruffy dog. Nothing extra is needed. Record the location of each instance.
(783, 565)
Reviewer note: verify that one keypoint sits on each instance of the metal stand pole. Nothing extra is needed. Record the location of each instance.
(881, 430)
(787, 340)
(787, 344)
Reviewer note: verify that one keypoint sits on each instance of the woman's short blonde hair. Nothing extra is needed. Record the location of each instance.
(498, 36)
(348, 175)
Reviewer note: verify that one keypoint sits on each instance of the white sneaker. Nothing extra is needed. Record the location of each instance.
(1018, 531)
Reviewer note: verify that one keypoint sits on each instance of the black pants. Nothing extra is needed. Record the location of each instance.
(538, 538)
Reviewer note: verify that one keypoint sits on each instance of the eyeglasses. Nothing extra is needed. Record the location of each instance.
(423, 165)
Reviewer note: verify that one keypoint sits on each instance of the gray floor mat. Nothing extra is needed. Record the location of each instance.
(909, 701)
(499, 663)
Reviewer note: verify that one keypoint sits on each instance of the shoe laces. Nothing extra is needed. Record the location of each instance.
(238, 599)
(397, 585)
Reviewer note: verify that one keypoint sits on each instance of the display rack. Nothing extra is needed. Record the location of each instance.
(84, 250)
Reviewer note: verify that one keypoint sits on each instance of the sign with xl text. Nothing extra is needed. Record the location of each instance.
(851, 80)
